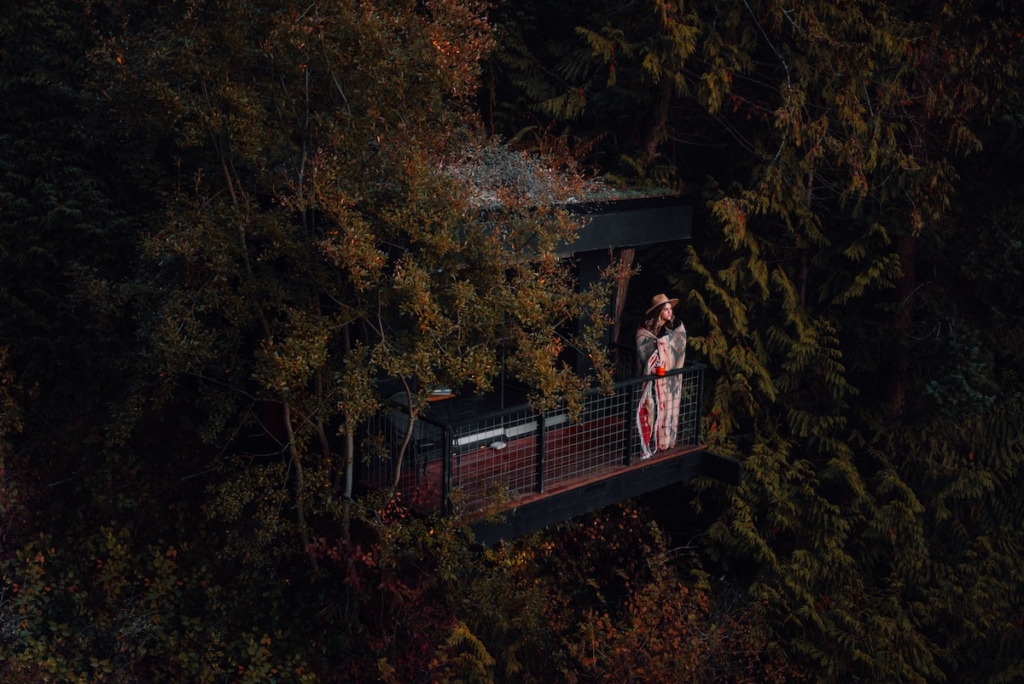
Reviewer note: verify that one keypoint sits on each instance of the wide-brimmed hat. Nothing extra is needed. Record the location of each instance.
(660, 299)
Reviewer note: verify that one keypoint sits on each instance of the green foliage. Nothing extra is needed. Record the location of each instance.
(221, 224)
(63, 240)
(309, 232)
(645, 613)
(129, 613)
(300, 229)
(840, 293)
(603, 73)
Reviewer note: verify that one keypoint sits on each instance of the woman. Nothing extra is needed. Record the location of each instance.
(661, 347)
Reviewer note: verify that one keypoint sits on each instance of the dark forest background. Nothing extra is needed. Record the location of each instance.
(222, 220)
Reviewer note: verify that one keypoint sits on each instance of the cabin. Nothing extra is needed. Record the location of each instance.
(492, 459)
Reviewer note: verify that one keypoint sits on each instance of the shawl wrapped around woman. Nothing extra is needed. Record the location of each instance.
(657, 415)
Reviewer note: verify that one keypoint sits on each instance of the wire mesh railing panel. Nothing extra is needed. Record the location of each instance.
(494, 460)
(501, 457)
(597, 443)
(688, 427)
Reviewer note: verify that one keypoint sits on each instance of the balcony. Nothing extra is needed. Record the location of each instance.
(513, 470)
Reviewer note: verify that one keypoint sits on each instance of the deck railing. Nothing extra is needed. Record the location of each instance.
(472, 463)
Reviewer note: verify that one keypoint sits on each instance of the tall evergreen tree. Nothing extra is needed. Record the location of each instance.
(836, 133)
(62, 236)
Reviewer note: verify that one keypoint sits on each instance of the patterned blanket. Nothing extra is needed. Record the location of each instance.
(657, 414)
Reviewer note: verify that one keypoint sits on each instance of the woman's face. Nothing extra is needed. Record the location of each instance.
(666, 313)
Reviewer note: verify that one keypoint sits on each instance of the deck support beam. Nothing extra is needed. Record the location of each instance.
(622, 485)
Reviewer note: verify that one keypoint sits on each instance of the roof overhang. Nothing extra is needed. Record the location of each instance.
(620, 223)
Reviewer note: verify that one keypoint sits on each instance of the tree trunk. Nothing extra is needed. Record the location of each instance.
(656, 133)
(622, 276)
(300, 483)
(405, 440)
(805, 251)
(903, 319)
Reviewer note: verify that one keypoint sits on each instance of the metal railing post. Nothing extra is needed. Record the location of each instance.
(541, 439)
(633, 397)
(698, 438)
(446, 470)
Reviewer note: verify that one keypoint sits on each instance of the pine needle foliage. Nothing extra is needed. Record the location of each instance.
(829, 293)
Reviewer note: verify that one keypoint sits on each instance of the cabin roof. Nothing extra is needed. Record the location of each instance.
(631, 222)
(616, 217)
